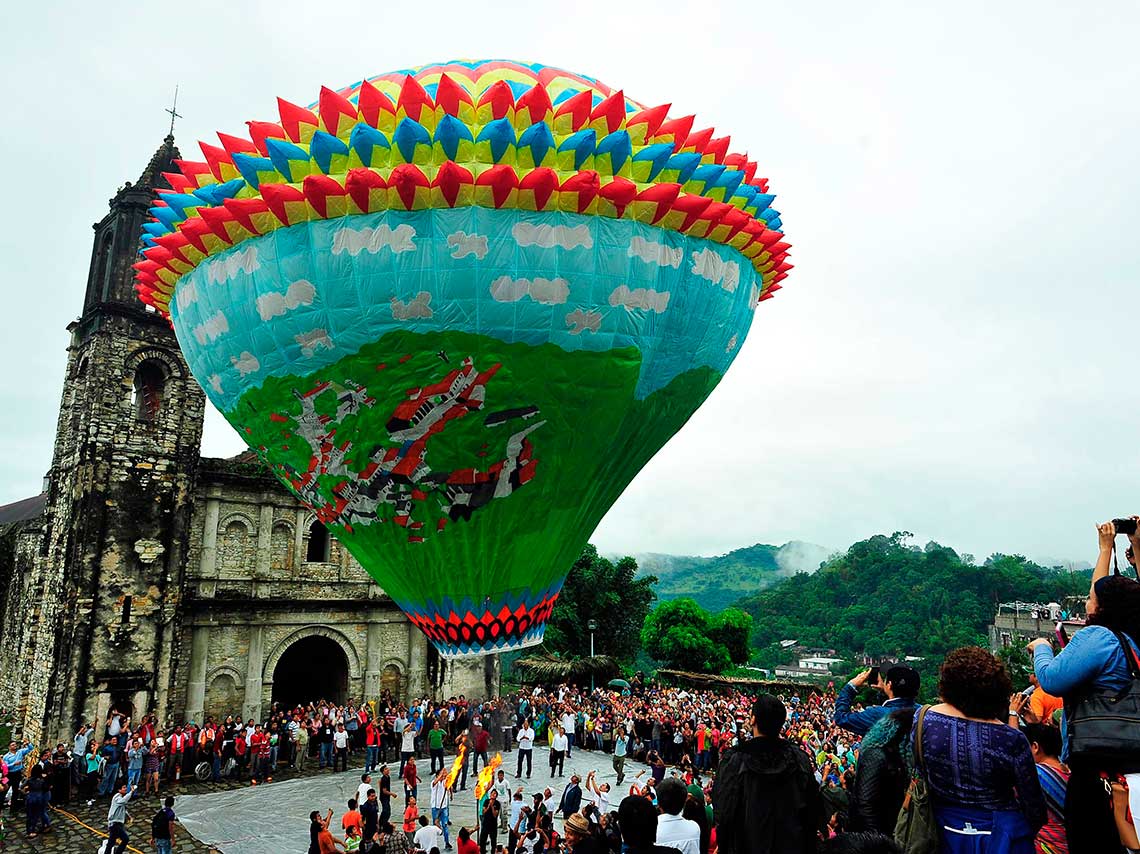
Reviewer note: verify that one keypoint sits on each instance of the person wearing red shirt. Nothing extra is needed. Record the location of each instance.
(464, 843)
(371, 747)
(411, 781)
(259, 752)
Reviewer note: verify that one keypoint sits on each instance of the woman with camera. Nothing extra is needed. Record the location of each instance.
(1095, 670)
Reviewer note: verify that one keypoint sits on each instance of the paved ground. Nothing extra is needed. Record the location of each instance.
(274, 816)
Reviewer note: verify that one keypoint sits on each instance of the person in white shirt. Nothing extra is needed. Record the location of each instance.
(441, 804)
(672, 830)
(362, 789)
(600, 795)
(517, 804)
(503, 791)
(568, 721)
(558, 752)
(428, 836)
(525, 738)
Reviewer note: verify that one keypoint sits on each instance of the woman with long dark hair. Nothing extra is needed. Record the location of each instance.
(1094, 660)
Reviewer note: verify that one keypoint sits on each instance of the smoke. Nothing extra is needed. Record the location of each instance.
(797, 556)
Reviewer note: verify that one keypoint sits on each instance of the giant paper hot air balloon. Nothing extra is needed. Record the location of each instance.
(456, 309)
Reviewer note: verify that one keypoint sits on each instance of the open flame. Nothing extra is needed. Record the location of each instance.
(456, 766)
(487, 775)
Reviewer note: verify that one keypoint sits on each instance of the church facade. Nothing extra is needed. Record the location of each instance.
(148, 578)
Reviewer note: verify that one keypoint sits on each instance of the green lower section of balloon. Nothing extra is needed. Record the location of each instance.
(585, 436)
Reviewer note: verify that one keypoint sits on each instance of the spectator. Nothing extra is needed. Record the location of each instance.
(674, 831)
(325, 734)
(340, 745)
(1045, 742)
(411, 779)
(558, 752)
(385, 794)
(162, 827)
(393, 842)
(900, 686)
(352, 817)
(980, 771)
(441, 805)
(765, 798)
(525, 739)
(638, 822)
(489, 822)
(580, 836)
(1093, 660)
(117, 838)
(881, 775)
(428, 835)
(435, 745)
(482, 742)
(14, 759)
(411, 817)
(39, 792)
(621, 740)
(464, 844)
(571, 800)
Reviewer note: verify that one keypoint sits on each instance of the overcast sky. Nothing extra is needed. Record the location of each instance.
(954, 354)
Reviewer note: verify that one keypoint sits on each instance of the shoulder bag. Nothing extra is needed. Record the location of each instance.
(917, 829)
(1104, 726)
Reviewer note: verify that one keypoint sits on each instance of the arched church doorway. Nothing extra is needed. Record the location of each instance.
(314, 668)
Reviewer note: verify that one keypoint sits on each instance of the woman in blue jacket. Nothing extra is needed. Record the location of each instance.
(1093, 660)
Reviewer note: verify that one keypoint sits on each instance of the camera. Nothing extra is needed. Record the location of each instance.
(1124, 526)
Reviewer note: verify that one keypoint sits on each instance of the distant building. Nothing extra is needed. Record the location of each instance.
(1017, 623)
(811, 666)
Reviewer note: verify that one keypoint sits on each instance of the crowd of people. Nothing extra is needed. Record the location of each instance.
(862, 767)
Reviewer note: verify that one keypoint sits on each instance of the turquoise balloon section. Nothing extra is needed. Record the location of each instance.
(304, 297)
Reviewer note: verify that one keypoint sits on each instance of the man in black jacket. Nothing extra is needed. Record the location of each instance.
(881, 777)
(766, 797)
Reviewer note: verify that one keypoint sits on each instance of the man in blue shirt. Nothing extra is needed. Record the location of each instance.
(900, 686)
(14, 759)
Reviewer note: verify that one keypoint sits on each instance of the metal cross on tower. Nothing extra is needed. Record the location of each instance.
(174, 114)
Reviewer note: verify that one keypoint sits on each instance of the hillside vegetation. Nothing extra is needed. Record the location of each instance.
(887, 598)
(718, 582)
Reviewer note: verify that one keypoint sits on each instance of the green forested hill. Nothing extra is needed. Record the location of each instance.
(886, 598)
(717, 582)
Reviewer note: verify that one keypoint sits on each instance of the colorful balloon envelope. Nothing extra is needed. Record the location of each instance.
(456, 309)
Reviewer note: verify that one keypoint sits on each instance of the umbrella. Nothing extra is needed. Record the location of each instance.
(618, 683)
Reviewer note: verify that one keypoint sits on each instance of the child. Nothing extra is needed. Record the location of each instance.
(352, 838)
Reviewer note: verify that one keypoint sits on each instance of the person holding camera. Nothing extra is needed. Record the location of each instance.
(1098, 661)
(900, 686)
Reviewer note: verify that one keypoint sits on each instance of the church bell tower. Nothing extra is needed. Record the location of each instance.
(119, 490)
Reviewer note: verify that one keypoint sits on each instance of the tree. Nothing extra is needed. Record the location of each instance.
(599, 589)
(682, 635)
(732, 628)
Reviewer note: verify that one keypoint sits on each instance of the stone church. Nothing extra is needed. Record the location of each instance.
(149, 578)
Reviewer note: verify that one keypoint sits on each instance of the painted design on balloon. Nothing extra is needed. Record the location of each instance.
(456, 309)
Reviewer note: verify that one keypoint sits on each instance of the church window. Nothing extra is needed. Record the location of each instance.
(150, 382)
(102, 262)
(318, 549)
(127, 601)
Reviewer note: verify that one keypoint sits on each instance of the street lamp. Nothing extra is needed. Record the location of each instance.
(592, 625)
